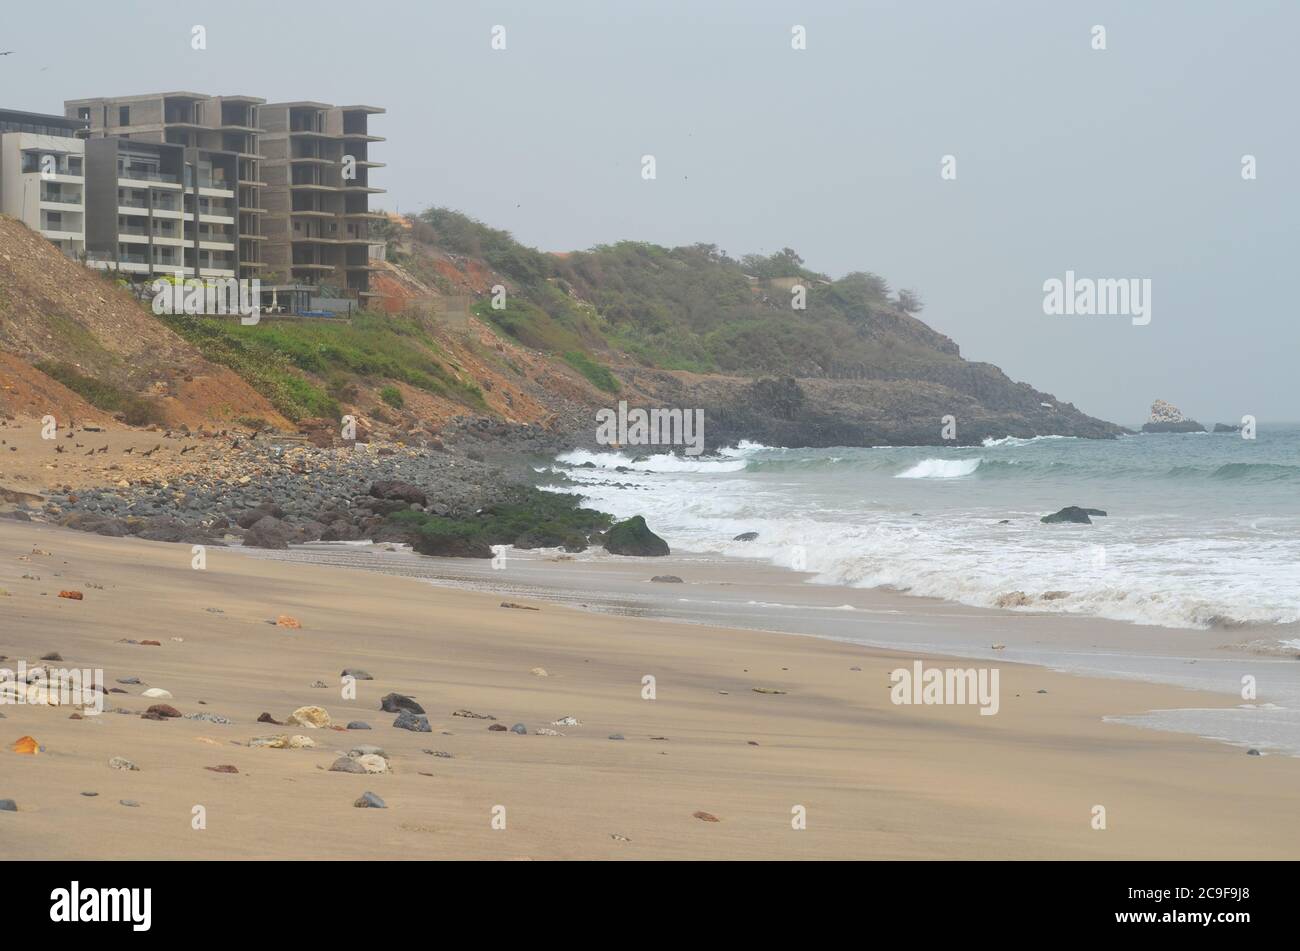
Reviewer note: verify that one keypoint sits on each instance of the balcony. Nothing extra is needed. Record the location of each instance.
(134, 175)
(69, 203)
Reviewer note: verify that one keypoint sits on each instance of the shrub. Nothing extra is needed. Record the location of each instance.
(597, 375)
(134, 409)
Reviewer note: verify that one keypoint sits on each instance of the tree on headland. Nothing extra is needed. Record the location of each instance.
(909, 301)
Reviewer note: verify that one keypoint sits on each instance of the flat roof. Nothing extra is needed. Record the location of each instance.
(42, 118)
(311, 104)
(175, 94)
(302, 104)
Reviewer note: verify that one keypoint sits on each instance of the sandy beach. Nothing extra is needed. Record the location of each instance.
(877, 780)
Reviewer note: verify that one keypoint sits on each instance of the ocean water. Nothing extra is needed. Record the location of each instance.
(1202, 531)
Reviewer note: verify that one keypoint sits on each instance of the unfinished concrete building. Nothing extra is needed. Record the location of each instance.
(316, 164)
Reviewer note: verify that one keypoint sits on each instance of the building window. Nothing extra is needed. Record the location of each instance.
(123, 115)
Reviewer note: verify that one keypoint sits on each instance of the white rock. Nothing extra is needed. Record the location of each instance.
(373, 763)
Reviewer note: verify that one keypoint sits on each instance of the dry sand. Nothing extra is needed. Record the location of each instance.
(877, 780)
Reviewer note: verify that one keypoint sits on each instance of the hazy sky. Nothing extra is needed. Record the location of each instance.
(1115, 164)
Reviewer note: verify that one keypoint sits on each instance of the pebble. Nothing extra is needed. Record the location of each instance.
(156, 693)
(53, 655)
(281, 742)
(313, 718)
(358, 725)
(372, 763)
(346, 764)
(163, 710)
(223, 768)
(539, 672)
(470, 714)
(129, 680)
(209, 718)
(498, 728)
(706, 816)
(415, 722)
(518, 607)
(90, 795)
(1252, 752)
(369, 800)
(617, 736)
(121, 762)
(8, 805)
(443, 754)
(356, 673)
(520, 729)
(129, 802)
(367, 750)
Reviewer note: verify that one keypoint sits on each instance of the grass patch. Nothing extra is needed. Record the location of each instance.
(273, 357)
(596, 374)
(135, 409)
(392, 396)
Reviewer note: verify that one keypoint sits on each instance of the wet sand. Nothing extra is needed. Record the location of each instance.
(877, 780)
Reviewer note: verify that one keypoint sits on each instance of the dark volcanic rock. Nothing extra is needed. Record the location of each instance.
(1167, 418)
(633, 537)
(396, 703)
(1071, 513)
(268, 532)
(450, 546)
(1180, 426)
(415, 722)
(746, 537)
(402, 491)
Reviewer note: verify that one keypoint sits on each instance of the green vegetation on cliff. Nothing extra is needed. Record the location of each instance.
(696, 308)
(273, 356)
(135, 410)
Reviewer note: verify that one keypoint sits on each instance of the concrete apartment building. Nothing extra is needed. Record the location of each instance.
(174, 184)
(42, 176)
(278, 191)
(316, 163)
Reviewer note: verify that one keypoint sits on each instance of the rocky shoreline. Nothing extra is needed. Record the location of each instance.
(456, 496)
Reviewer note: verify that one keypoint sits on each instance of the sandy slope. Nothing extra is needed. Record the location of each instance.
(877, 780)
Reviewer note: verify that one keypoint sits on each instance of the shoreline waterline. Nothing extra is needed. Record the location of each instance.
(746, 595)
